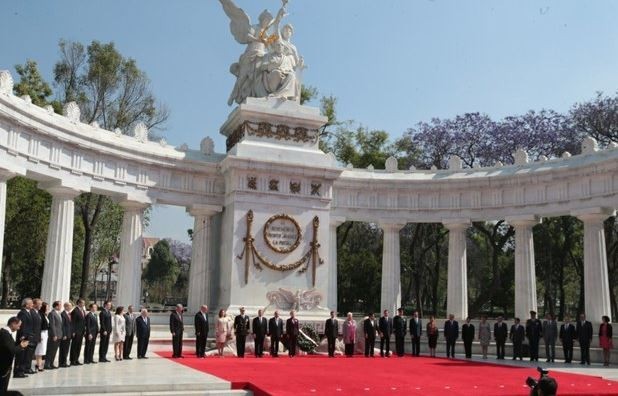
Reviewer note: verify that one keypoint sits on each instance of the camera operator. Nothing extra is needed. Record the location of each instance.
(545, 386)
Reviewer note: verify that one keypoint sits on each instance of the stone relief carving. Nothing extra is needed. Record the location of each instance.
(270, 64)
(140, 132)
(391, 164)
(278, 132)
(6, 82)
(72, 112)
(301, 300)
(252, 183)
(315, 189)
(273, 185)
(207, 146)
(295, 187)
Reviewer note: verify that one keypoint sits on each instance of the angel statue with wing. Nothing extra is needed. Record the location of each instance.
(267, 67)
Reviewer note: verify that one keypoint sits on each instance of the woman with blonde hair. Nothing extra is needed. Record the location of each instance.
(222, 331)
(119, 333)
(349, 335)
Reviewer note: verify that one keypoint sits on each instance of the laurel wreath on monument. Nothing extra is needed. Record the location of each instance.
(308, 339)
(250, 252)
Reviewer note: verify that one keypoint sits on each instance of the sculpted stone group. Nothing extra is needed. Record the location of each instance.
(270, 65)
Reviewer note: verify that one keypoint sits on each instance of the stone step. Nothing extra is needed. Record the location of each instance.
(232, 392)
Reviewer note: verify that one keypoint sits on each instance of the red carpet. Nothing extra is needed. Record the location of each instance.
(310, 375)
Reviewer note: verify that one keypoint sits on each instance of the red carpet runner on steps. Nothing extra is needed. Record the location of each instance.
(318, 375)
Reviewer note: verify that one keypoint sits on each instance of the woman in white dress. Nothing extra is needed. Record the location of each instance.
(41, 347)
(119, 332)
(222, 331)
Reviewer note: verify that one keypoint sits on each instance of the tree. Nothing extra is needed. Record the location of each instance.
(114, 92)
(31, 83)
(162, 271)
(597, 118)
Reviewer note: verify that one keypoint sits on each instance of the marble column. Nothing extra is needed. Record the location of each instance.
(332, 261)
(457, 278)
(56, 283)
(201, 257)
(129, 286)
(596, 276)
(3, 180)
(525, 271)
(391, 268)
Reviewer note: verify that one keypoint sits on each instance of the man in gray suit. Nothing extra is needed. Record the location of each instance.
(54, 335)
(550, 334)
(129, 322)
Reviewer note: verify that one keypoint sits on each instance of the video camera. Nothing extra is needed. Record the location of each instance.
(534, 384)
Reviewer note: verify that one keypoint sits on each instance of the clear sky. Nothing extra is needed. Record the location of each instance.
(390, 63)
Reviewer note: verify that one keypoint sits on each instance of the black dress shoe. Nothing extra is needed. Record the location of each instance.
(144, 357)
(20, 375)
(128, 358)
(30, 372)
(63, 365)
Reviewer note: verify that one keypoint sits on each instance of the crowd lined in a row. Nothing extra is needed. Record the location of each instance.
(42, 335)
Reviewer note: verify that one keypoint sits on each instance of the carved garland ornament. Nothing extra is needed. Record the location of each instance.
(250, 253)
(278, 132)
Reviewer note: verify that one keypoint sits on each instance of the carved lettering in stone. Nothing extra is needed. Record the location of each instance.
(282, 233)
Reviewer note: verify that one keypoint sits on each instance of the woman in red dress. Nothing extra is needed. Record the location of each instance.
(605, 339)
(432, 335)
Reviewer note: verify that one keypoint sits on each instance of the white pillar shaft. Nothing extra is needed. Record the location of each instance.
(128, 290)
(200, 270)
(596, 280)
(332, 263)
(457, 283)
(2, 219)
(59, 252)
(391, 271)
(525, 273)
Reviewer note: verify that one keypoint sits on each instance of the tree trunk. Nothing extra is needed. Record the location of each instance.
(6, 270)
(83, 287)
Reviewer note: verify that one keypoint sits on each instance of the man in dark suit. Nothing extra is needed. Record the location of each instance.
(517, 335)
(399, 328)
(241, 329)
(177, 327)
(416, 331)
(142, 325)
(467, 335)
(54, 335)
(25, 331)
(584, 336)
(92, 329)
(534, 331)
(129, 323)
(331, 331)
(260, 328)
(550, 334)
(500, 334)
(370, 329)
(105, 327)
(385, 325)
(451, 334)
(8, 349)
(201, 331)
(292, 330)
(275, 331)
(78, 321)
(567, 335)
(67, 335)
(36, 327)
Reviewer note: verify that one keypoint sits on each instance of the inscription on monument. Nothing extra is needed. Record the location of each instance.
(282, 233)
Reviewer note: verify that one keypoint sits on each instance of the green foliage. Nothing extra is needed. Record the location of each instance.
(161, 272)
(307, 93)
(32, 83)
(27, 221)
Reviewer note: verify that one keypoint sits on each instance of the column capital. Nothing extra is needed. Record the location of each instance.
(133, 205)
(390, 226)
(523, 220)
(337, 220)
(6, 175)
(204, 210)
(457, 224)
(597, 214)
(62, 189)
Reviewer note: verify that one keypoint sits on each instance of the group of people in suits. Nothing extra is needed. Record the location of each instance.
(44, 335)
(225, 330)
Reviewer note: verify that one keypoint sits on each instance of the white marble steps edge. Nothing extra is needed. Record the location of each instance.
(231, 392)
(222, 388)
